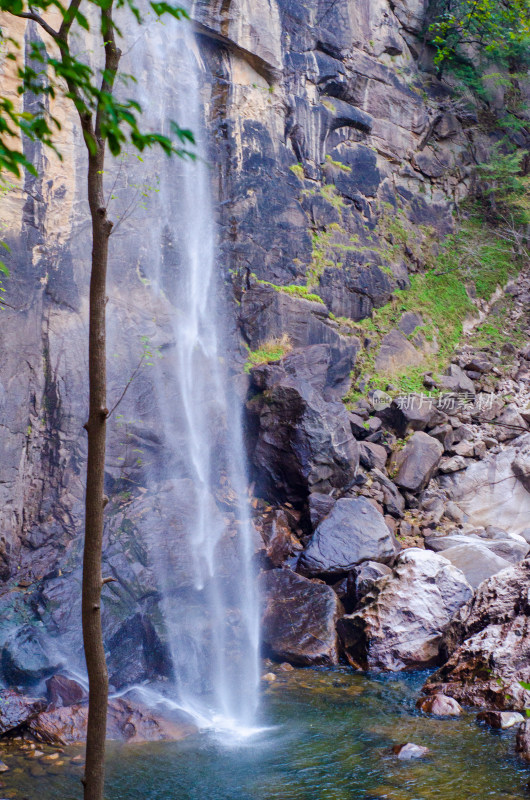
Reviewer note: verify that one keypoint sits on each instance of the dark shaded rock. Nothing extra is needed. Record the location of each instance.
(355, 289)
(400, 622)
(304, 444)
(444, 434)
(488, 645)
(522, 741)
(16, 709)
(415, 464)
(270, 314)
(394, 502)
(63, 691)
(364, 577)
(409, 322)
(372, 455)
(28, 657)
(501, 720)
(440, 705)
(299, 616)
(358, 426)
(127, 721)
(353, 532)
(319, 507)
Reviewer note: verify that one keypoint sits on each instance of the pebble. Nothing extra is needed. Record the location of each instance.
(269, 677)
(3, 766)
(50, 757)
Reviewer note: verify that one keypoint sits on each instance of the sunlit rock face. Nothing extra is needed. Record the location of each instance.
(321, 131)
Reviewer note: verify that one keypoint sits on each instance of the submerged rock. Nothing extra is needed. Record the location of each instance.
(353, 532)
(127, 721)
(299, 617)
(488, 644)
(405, 752)
(400, 622)
(501, 720)
(440, 705)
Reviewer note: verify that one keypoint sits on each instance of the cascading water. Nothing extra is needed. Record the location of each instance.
(203, 554)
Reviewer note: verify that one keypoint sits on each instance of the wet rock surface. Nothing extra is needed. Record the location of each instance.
(299, 618)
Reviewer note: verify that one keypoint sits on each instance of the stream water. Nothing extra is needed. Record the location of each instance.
(327, 736)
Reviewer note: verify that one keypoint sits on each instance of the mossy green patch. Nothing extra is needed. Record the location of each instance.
(273, 350)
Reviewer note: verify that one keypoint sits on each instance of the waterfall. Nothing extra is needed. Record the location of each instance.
(202, 553)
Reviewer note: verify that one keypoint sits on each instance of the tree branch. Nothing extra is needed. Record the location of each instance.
(40, 21)
(68, 19)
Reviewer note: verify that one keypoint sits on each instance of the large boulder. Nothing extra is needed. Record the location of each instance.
(303, 444)
(299, 618)
(494, 491)
(127, 720)
(353, 532)
(28, 656)
(488, 644)
(414, 465)
(17, 709)
(476, 561)
(401, 621)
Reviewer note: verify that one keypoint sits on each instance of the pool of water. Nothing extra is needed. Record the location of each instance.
(327, 736)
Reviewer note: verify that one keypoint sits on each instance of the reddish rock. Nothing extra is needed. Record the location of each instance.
(63, 691)
(127, 721)
(488, 645)
(280, 542)
(440, 705)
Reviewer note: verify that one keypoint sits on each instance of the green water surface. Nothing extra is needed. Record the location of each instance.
(328, 736)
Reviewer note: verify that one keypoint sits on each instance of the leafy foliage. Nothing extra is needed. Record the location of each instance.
(53, 69)
(494, 26)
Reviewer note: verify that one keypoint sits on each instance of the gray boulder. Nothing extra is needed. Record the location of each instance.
(510, 547)
(476, 561)
(415, 464)
(299, 617)
(455, 380)
(353, 532)
(491, 491)
(401, 621)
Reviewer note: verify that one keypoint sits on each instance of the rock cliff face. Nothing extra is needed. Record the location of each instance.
(329, 139)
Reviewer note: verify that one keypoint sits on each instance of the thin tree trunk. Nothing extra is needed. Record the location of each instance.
(95, 498)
